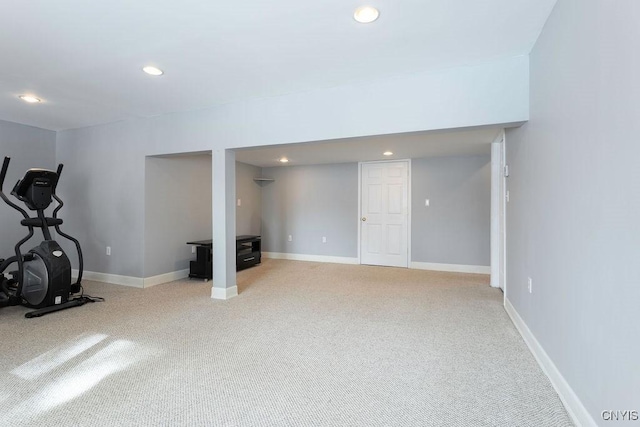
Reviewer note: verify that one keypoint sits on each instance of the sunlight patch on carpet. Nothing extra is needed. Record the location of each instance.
(50, 360)
(76, 380)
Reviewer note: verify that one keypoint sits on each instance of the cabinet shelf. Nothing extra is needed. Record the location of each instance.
(248, 253)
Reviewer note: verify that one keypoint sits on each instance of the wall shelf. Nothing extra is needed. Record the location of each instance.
(263, 179)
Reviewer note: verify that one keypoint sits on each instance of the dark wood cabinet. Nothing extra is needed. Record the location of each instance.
(248, 253)
(202, 267)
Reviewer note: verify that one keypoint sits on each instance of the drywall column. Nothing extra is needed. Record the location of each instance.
(224, 224)
(496, 158)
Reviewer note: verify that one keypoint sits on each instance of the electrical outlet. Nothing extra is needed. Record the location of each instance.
(530, 284)
(193, 249)
(324, 239)
(109, 250)
(426, 202)
(290, 238)
(239, 202)
(507, 196)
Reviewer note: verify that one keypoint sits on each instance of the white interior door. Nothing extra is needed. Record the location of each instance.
(384, 220)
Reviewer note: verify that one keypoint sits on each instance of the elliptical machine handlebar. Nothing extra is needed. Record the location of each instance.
(3, 175)
(76, 286)
(57, 199)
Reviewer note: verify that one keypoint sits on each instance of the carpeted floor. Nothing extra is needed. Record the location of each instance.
(303, 344)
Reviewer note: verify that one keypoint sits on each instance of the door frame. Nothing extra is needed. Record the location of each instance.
(503, 214)
(408, 161)
(498, 212)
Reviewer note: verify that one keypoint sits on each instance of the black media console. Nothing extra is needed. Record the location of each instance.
(201, 268)
(248, 253)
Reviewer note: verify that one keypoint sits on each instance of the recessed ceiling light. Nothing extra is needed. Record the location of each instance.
(153, 70)
(284, 160)
(366, 14)
(387, 153)
(30, 99)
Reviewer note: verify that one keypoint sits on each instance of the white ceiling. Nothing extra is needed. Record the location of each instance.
(404, 146)
(83, 58)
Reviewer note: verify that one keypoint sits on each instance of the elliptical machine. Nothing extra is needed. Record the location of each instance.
(43, 279)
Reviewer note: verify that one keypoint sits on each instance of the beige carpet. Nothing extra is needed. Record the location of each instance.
(303, 344)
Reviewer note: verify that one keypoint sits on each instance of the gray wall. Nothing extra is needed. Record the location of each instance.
(177, 210)
(309, 202)
(455, 228)
(104, 194)
(28, 147)
(105, 185)
(249, 213)
(572, 221)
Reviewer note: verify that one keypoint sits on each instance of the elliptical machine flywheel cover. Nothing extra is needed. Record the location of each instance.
(52, 272)
(35, 281)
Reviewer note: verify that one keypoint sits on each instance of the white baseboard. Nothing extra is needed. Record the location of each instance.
(224, 293)
(136, 282)
(453, 268)
(572, 403)
(165, 278)
(115, 279)
(313, 258)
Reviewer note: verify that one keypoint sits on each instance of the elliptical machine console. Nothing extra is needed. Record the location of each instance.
(43, 279)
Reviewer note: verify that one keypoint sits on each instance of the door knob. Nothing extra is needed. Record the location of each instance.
(364, 218)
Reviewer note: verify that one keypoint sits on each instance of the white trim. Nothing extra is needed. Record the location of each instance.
(115, 279)
(496, 176)
(503, 217)
(453, 268)
(359, 210)
(312, 258)
(409, 198)
(224, 293)
(165, 278)
(572, 403)
(135, 282)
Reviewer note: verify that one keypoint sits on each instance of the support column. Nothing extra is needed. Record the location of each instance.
(224, 224)
(496, 175)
